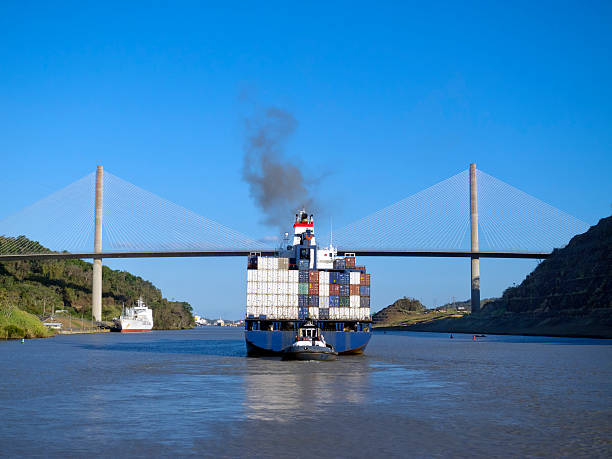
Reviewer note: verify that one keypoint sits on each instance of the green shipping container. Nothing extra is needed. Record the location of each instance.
(345, 301)
(303, 288)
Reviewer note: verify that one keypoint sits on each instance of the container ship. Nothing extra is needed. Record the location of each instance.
(302, 282)
(135, 319)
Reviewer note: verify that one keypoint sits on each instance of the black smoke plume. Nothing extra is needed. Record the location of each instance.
(277, 185)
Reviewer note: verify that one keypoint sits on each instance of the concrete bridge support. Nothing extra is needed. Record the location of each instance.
(474, 238)
(96, 290)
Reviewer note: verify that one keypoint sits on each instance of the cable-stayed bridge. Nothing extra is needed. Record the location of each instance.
(471, 214)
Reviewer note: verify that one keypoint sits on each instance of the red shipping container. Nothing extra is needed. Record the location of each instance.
(364, 280)
(334, 289)
(313, 276)
(354, 289)
(349, 262)
(313, 288)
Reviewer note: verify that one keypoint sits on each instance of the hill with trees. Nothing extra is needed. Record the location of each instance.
(40, 286)
(568, 294)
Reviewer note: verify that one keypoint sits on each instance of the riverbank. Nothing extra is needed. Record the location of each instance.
(595, 324)
(16, 324)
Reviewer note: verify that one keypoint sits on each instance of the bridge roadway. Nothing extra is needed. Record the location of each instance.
(244, 253)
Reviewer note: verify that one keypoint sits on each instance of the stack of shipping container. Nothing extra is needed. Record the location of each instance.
(276, 290)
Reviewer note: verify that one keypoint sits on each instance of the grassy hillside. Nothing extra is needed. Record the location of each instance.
(40, 286)
(15, 323)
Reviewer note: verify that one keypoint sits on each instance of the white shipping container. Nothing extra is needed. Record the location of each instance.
(313, 312)
(250, 274)
(293, 312)
(334, 313)
(269, 288)
(273, 263)
(283, 276)
(323, 301)
(355, 302)
(324, 277)
(283, 263)
(323, 290)
(293, 302)
(355, 278)
(287, 301)
(345, 313)
(293, 276)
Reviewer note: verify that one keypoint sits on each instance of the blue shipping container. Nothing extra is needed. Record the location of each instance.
(364, 290)
(324, 313)
(345, 290)
(313, 301)
(303, 313)
(345, 278)
(364, 302)
(304, 265)
(334, 277)
(303, 276)
(334, 301)
(302, 300)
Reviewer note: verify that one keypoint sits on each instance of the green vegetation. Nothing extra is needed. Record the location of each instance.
(409, 311)
(15, 323)
(39, 287)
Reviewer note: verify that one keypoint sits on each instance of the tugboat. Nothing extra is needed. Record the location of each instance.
(310, 345)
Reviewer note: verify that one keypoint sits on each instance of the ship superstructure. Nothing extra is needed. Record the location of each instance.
(138, 318)
(303, 282)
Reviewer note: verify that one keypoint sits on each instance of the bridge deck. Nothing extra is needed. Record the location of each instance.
(244, 253)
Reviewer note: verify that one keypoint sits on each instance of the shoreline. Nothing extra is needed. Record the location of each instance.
(595, 325)
(480, 332)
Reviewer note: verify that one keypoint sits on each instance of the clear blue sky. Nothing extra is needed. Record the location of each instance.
(390, 98)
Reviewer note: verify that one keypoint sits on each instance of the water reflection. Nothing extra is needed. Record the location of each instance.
(283, 391)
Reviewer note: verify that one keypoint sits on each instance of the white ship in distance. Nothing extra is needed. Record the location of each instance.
(138, 318)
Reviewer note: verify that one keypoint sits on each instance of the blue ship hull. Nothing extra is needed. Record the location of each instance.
(264, 342)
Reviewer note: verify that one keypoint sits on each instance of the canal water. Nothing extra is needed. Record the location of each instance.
(195, 392)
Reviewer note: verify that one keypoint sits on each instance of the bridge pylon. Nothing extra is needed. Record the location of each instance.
(96, 289)
(475, 271)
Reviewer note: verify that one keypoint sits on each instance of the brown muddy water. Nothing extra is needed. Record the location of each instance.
(195, 392)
